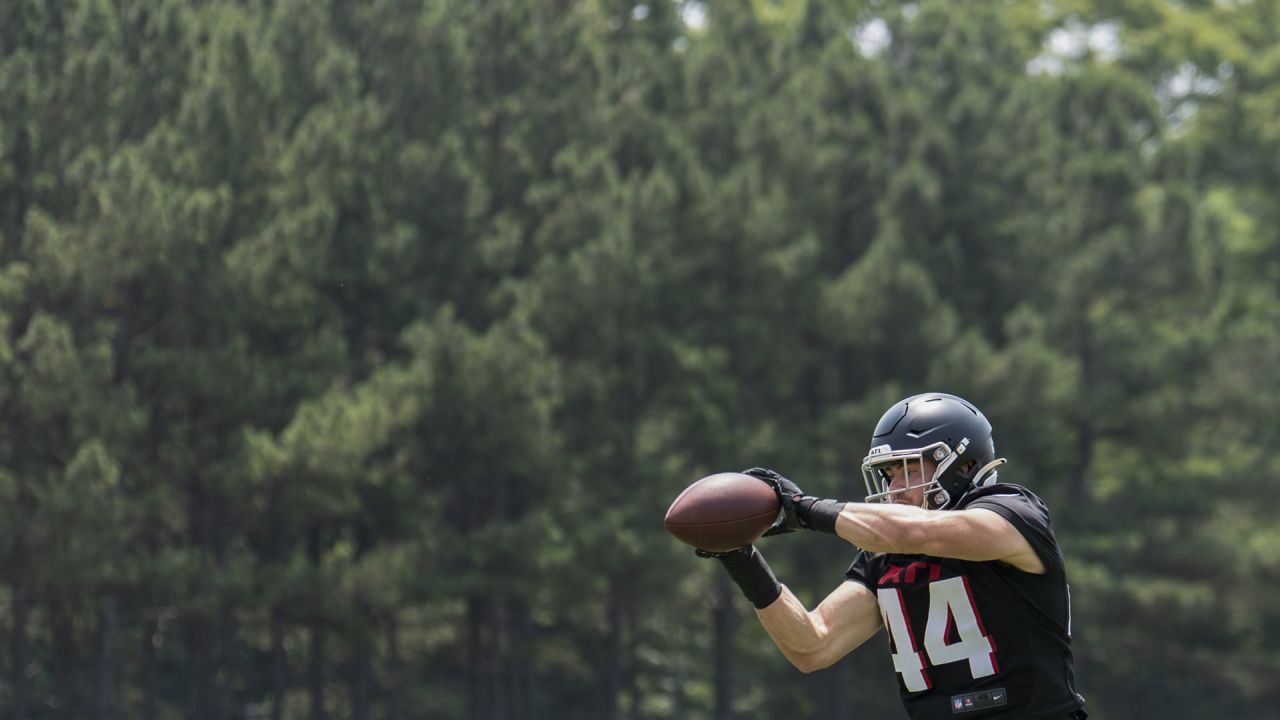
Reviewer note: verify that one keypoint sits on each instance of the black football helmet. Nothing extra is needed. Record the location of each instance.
(948, 431)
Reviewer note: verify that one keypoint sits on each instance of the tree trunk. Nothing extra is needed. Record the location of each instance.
(196, 625)
(632, 688)
(315, 672)
(842, 692)
(483, 652)
(613, 655)
(108, 671)
(724, 623)
(64, 658)
(480, 671)
(868, 676)
(150, 628)
(361, 678)
(1078, 491)
(364, 639)
(831, 690)
(279, 678)
(225, 665)
(276, 556)
(519, 689)
(395, 670)
(18, 642)
(20, 561)
(15, 203)
(196, 637)
(315, 663)
(497, 659)
(361, 685)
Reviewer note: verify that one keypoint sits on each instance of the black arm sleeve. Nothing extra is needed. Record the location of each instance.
(752, 575)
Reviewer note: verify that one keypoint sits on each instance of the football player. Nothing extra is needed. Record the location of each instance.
(963, 571)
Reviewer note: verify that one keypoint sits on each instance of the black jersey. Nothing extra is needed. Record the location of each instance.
(979, 639)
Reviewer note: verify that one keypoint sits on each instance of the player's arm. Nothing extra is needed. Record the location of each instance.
(816, 639)
(810, 640)
(976, 534)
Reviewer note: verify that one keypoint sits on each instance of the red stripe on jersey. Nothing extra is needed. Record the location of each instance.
(982, 628)
(911, 637)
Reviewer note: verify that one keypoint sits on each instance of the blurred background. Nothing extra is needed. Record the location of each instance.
(351, 352)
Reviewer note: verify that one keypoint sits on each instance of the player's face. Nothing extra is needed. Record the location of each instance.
(911, 480)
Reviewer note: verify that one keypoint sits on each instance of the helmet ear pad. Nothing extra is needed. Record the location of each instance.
(965, 470)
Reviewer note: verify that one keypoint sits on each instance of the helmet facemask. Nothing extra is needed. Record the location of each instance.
(882, 465)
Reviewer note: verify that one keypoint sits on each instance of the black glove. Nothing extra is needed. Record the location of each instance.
(798, 510)
(750, 572)
(787, 491)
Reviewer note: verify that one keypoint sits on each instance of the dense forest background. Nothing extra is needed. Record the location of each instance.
(351, 352)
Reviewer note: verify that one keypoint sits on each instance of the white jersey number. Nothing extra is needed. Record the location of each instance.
(949, 601)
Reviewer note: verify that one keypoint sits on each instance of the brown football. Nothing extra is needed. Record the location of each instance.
(722, 512)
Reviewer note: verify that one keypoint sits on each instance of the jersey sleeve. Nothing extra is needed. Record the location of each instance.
(1030, 517)
(862, 570)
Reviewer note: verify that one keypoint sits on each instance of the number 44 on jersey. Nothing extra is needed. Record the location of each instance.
(950, 601)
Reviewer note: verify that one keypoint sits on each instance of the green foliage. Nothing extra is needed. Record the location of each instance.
(351, 352)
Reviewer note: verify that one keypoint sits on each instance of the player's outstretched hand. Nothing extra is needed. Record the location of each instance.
(787, 492)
